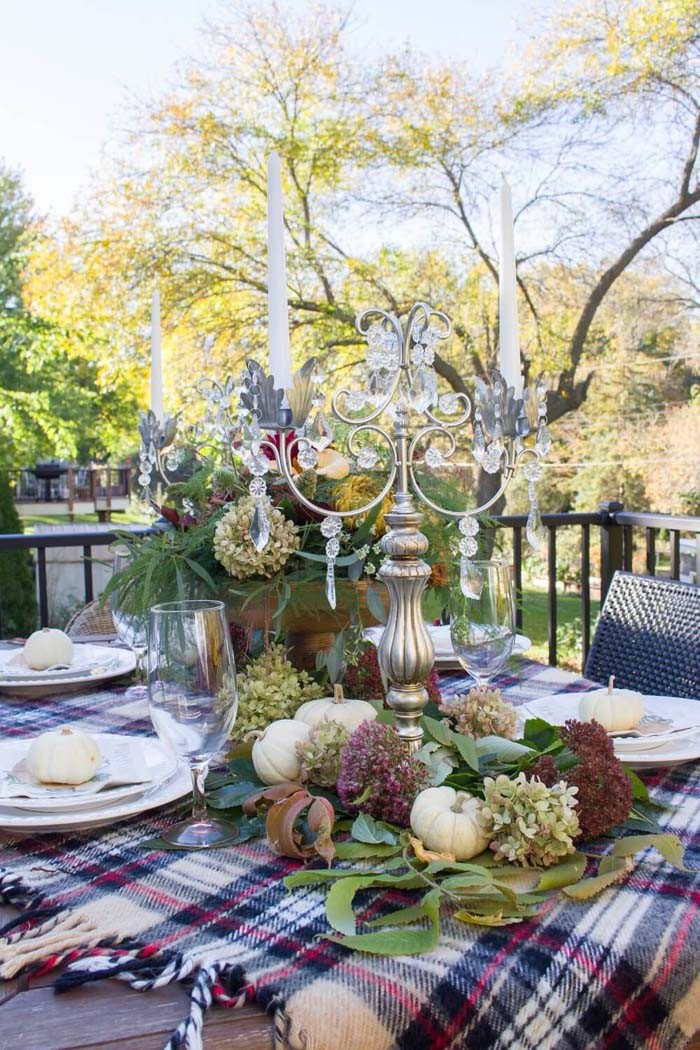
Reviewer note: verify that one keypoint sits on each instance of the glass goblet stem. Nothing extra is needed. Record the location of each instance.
(139, 653)
(199, 800)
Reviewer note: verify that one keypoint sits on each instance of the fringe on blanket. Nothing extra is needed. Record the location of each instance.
(222, 983)
(43, 936)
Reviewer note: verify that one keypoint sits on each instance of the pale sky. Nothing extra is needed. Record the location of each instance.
(67, 67)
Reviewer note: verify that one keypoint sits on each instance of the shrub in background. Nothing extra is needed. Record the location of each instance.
(18, 609)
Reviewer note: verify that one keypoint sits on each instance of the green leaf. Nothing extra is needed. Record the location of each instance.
(498, 917)
(467, 749)
(375, 604)
(504, 750)
(565, 873)
(339, 910)
(343, 560)
(540, 734)
(367, 829)
(401, 942)
(587, 888)
(309, 876)
(201, 572)
(669, 846)
(639, 788)
(400, 917)
(355, 570)
(360, 850)
(231, 795)
(438, 731)
(243, 769)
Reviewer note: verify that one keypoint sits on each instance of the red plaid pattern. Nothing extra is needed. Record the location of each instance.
(617, 972)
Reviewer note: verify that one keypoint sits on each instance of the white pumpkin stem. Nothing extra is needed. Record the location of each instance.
(338, 695)
(611, 683)
(253, 734)
(460, 798)
(66, 731)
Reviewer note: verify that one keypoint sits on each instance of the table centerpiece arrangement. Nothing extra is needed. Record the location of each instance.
(492, 817)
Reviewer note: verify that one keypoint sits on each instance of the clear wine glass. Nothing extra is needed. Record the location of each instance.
(131, 625)
(482, 628)
(193, 702)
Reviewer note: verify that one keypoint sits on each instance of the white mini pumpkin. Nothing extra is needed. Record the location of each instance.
(336, 708)
(615, 709)
(47, 647)
(275, 752)
(63, 756)
(447, 821)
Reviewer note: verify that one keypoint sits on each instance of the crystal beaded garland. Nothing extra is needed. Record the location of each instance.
(330, 529)
(470, 577)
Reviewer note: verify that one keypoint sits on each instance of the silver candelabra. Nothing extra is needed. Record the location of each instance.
(394, 421)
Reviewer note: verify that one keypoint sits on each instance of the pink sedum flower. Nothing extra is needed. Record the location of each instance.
(376, 768)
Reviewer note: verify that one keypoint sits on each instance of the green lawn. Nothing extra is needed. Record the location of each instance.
(535, 624)
(119, 518)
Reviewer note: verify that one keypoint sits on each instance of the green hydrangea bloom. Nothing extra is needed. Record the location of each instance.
(320, 754)
(270, 687)
(529, 823)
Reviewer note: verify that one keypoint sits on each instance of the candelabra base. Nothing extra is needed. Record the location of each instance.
(406, 652)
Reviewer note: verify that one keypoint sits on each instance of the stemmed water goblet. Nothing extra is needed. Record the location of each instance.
(482, 626)
(193, 702)
(131, 625)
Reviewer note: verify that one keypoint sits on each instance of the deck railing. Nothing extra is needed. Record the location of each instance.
(610, 538)
(99, 485)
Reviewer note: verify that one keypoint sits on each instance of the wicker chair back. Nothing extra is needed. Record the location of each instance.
(648, 636)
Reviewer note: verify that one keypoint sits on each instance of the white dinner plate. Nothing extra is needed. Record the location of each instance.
(177, 786)
(445, 656)
(666, 749)
(155, 764)
(92, 663)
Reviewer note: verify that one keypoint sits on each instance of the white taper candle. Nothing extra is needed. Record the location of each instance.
(280, 357)
(156, 359)
(509, 341)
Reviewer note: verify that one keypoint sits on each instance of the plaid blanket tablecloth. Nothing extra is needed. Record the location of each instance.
(620, 971)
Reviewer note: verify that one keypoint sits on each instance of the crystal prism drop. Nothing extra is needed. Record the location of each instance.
(478, 443)
(330, 584)
(259, 527)
(471, 579)
(543, 441)
(374, 387)
(534, 530)
(420, 395)
(320, 433)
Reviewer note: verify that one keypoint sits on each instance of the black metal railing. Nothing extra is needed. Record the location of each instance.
(517, 523)
(611, 538)
(40, 541)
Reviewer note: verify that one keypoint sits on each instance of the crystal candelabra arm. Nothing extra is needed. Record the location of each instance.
(459, 421)
(283, 459)
(445, 512)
